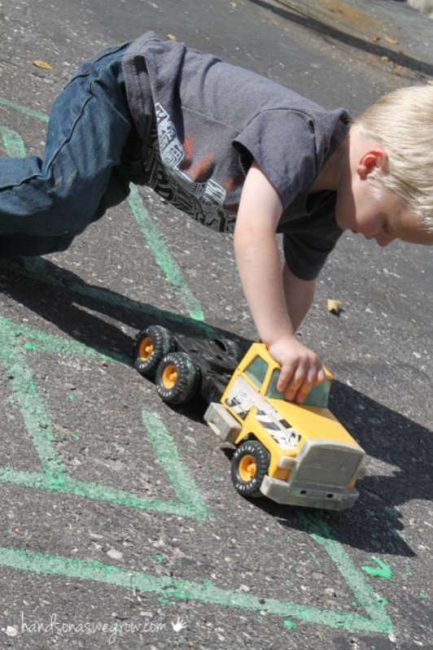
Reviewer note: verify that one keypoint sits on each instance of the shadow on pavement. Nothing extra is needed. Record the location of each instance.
(400, 451)
(301, 17)
(400, 457)
(92, 315)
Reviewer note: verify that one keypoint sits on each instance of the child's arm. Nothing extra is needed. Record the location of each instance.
(299, 296)
(259, 264)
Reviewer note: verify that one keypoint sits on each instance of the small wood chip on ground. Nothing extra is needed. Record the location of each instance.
(334, 306)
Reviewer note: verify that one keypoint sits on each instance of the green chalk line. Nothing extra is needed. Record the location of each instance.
(32, 408)
(170, 461)
(39, 269)
(12, 142)
(382, 570)
(15, 147)
(373, 605)
(289, 625)
(38, 424)
(29, 112)
(38, 341)
(162, 255)
(185, 590)
(98, 492)
(13, 339)
(55, 479)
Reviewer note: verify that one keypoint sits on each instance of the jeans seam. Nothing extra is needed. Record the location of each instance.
(68, 137)
(93, 62)
(89, 95)
(59, 148)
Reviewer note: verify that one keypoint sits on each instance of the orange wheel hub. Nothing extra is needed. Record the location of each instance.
(146, 349)
(247, 468)
(170, 376)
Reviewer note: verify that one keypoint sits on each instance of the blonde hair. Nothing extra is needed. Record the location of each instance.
(403, 122)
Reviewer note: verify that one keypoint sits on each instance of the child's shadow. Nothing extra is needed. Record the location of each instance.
(400, 451)
(95, 316)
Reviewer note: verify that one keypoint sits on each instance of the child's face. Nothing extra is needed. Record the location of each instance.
(372, 211)
(380, 215)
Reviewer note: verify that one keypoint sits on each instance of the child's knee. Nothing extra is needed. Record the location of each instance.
(60, 206)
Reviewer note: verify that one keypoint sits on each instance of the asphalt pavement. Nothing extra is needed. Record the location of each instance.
(121, 527)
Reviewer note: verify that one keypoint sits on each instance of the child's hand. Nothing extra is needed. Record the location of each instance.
(301, 368)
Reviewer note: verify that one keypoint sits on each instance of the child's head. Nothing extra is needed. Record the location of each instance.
(391, 149)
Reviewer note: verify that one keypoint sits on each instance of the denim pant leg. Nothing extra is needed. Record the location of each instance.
(45, 202)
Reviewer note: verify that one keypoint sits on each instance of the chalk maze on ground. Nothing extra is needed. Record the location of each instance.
(17, 342)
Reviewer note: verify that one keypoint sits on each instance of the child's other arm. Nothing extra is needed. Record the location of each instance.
(259, 264)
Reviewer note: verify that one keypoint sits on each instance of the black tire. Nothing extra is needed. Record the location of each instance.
(151, 346)
(250, 463)
(177, 378)
(231, 347)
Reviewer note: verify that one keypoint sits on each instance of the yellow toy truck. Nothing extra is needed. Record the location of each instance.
(297, 454)
(293, 454)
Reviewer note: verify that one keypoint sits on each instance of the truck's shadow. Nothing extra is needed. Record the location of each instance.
(93, 316)
(400, 456)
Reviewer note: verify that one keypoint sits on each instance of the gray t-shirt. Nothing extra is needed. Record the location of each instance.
(203, 122)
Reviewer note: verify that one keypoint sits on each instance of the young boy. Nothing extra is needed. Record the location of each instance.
(240, 154)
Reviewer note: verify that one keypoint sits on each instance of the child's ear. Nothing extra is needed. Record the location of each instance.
(371, 160)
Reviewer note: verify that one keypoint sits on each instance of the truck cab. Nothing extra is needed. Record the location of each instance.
(297, 454)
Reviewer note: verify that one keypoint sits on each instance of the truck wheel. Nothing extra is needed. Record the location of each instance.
(177, 378)
(151, 346)
(232, 348)
(250, 463)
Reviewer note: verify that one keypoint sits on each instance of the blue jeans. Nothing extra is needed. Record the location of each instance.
(92, 152)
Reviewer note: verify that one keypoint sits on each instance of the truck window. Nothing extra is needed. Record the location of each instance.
(256, 371)
(318, 395)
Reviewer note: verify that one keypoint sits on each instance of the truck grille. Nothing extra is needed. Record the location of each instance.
(334, 466)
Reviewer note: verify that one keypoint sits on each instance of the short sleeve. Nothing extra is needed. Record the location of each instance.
(282, 142)
(308, 241)
(305, 255)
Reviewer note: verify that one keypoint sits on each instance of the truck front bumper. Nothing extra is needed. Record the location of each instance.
(308, 495)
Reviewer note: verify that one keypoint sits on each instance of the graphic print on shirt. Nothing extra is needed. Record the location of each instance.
(202, 200)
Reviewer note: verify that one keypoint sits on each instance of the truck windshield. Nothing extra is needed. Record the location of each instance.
(318, 395)
(256, 371)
